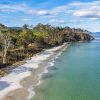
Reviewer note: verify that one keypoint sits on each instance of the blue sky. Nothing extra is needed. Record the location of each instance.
(79, 14)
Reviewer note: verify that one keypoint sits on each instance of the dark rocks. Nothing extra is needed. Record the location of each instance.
(88, 37)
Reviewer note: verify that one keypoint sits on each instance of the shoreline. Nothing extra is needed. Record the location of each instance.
(23, 79)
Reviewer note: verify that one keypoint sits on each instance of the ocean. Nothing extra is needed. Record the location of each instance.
(76, 74)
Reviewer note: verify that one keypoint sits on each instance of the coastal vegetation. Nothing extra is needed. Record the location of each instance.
(17, 44)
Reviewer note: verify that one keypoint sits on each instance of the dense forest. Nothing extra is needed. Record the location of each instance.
(17, 44)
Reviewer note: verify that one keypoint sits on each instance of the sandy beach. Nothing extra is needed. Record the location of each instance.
(20, 83)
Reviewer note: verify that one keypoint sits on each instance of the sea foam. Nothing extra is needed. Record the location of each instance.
(25, 70)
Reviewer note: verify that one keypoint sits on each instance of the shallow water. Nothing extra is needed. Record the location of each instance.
(77, 76)
(3, 85)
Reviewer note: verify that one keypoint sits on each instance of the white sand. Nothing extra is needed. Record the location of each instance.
(23, 71)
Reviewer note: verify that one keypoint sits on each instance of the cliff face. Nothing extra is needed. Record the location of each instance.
(83, 37)
(74, 35)
(88, 37)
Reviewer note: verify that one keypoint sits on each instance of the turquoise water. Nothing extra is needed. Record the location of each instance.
(77, 76)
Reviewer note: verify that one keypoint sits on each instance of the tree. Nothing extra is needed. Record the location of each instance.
(40, 33)
(26, 37)
(6, 40)
(25, 26)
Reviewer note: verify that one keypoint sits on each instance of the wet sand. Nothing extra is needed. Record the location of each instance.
(26, 91)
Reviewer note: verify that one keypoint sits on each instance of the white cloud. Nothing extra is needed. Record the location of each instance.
(42, 12)
(87, 10)
(52, 12)
(60, 21)
(87, 13)
(26, 9)
(12, 8)
(78, 9)
(59, 9)
(57, 21)
(93, 19)
(26, 19)
(38, 12)
(84, 4)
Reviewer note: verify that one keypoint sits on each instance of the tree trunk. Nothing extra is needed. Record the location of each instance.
(5, 37)
(6, 46)
(4, 56)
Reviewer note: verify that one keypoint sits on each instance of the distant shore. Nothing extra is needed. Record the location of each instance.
(20, 83)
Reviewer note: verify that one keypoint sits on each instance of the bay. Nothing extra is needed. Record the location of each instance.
(77, 76)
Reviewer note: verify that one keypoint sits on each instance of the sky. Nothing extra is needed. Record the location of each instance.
(76, 14)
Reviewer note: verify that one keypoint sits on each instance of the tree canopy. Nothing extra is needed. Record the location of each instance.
(17, 44)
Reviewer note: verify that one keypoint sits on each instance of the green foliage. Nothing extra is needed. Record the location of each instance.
(25, 42)
(39, 34)
(25, 37)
